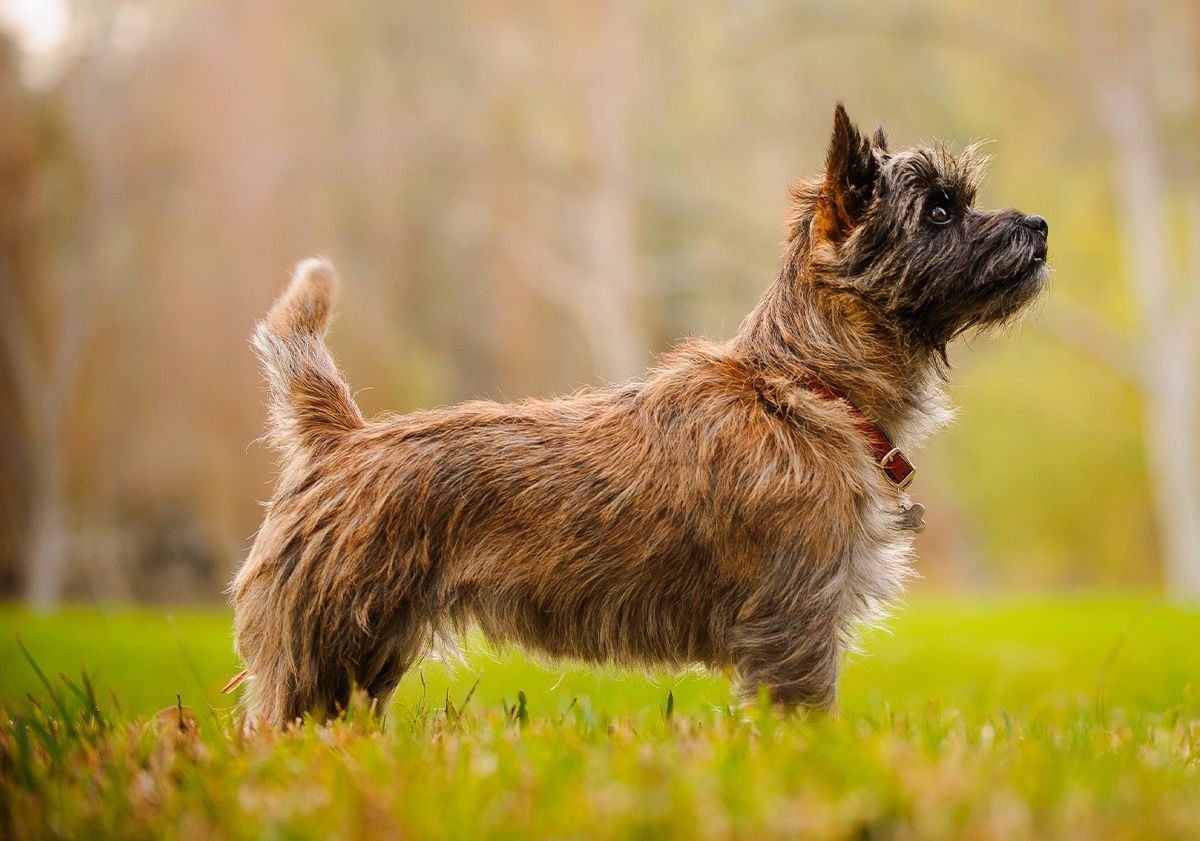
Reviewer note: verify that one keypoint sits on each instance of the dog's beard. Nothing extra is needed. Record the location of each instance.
(1018, 277)
(994, 297)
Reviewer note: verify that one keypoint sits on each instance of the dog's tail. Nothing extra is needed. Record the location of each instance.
(309, 402)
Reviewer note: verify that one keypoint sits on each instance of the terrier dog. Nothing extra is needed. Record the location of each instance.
(742, 506)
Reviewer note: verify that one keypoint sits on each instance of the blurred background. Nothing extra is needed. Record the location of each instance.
(524, 197)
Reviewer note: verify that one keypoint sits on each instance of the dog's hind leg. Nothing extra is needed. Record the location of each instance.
(311, 627)
(397, 651)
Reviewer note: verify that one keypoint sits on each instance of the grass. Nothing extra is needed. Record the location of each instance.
(1004, 720)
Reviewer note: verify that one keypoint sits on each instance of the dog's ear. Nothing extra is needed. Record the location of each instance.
(851, 173)
(879, 140)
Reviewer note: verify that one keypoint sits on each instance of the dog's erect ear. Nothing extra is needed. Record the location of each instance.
(851, 172)
(879, 139)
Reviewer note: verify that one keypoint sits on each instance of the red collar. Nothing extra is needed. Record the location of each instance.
(891, 461)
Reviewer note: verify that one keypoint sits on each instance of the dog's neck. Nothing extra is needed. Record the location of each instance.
(804, 328)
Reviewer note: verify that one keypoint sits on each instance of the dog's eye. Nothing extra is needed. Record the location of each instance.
(939, 215)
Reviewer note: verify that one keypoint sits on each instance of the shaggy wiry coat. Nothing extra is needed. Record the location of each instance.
(718, 511)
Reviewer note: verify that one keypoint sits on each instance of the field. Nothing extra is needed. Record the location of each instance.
(967, 720)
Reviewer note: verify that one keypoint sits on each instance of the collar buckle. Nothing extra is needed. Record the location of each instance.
(885, 464)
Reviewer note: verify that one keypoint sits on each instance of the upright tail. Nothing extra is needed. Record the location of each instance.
(309, 403)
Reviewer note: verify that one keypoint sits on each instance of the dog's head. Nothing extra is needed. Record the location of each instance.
(901, 229)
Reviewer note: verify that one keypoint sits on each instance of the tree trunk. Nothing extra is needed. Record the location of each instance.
(613, 300)
(1120, 74)
(47, 541)
(1172, 454)
(1167, 347)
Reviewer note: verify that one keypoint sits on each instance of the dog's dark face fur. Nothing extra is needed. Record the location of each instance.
(902, 229)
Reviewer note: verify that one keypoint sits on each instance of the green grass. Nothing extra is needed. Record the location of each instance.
(1052, 719)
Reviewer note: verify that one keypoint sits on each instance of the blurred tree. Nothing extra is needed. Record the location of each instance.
(524, 196)
(608, 298)
(46, 326)
(15, 255)
(588, 268)
(1140, 73)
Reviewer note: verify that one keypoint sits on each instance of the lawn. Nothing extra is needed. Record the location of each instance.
(967, 719)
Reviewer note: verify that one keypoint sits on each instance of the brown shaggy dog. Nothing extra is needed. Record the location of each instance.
(728, 509)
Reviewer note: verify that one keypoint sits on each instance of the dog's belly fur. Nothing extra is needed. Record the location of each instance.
(620, 524)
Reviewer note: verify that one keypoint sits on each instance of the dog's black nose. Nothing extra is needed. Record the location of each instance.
(1037, 223)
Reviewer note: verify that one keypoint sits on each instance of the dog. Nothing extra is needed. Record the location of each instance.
(744, 505)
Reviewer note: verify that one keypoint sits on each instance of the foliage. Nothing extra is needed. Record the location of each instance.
(456, 160)
(974, 720)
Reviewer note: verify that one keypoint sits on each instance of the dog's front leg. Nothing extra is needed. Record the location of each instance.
(794, 653)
